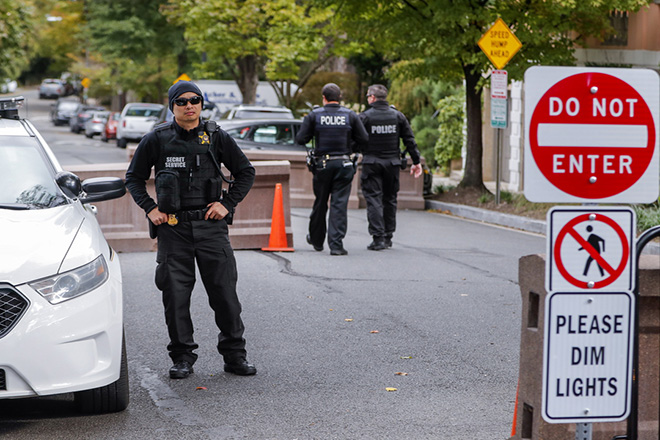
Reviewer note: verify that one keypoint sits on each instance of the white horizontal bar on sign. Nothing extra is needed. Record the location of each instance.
(592, 135)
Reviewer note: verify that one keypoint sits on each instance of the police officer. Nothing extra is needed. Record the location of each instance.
(382, 162)
(335, 130)
(191, 223)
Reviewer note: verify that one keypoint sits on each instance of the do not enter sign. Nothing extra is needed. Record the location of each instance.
(591, 135)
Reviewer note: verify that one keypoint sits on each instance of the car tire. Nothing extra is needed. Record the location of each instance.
(107, 399)
(122, 143)
(89, 136)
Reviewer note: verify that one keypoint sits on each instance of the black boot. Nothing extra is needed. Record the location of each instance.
(377, 245)
(181, 370)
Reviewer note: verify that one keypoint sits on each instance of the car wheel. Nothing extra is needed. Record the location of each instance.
(89, 136)
(122, 143)
(109, 398)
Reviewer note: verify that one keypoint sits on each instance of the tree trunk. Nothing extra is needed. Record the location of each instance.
(473, 174)
(248, 78)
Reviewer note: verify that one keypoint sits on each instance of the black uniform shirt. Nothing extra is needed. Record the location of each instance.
(226, 151)
(356, 134)
(403, 127)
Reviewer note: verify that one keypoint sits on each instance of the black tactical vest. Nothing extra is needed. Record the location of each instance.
(190, 158)
(383, 130)
(332, 131)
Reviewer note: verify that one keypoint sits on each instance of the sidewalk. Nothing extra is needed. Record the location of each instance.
(498, 218)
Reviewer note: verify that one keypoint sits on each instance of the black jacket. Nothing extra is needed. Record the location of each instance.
(338, 136)
(225, 150)
(379, 111)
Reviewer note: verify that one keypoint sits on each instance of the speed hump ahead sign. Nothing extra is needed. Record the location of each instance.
(591, 135)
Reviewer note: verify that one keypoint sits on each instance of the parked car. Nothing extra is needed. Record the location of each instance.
(211, 111)
(81, 115)
(110, 128)
(8, 85)
(137, 119)
(52, 88)
(262, 134)
(61, 320)
(63, 109)
(244, 111)
(96, 124)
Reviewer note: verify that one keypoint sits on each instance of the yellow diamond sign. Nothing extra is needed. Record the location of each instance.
(499, 44)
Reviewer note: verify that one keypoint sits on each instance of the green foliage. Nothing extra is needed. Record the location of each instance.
(647, 215)
(15, 29)
(347, 82)
(485, 197)
(451, 119)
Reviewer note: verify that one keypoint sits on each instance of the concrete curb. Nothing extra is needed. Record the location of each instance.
(508, 220)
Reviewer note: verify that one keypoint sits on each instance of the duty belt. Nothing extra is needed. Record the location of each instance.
(188, 216)
(333, 157)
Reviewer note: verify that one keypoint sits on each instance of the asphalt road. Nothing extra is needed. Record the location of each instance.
(329, 336)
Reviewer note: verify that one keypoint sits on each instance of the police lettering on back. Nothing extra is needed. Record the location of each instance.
(383, 129)
(332, 120)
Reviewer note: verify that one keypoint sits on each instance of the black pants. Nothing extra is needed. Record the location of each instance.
(380, 185)
(179, 247)
(332, 182)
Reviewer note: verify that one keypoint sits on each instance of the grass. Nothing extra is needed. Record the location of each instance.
(647, 215)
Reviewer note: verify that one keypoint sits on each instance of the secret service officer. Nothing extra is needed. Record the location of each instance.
(190, 220)
(381, 164)
(335, 130)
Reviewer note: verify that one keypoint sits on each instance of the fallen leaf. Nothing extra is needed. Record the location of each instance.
(405, 357)
(464, 294)
(332, 310)
(374, 331)
(390, 389)
(401, 374)
(201, 388)
(348, 319)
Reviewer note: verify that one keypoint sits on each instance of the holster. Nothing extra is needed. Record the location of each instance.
(153, 229)
(404, 161)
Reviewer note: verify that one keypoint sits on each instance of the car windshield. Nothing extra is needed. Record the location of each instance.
(68, 105)
(144, 112)
(27, 182)
(259, 114)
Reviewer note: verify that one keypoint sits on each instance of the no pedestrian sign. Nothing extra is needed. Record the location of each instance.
(591, 135)
(587, 352)
(590, 249)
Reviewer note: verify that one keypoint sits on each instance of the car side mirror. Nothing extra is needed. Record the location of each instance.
(69, 183)
(98, 189)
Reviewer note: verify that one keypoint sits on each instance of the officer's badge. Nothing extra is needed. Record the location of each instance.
(204, 139)
(172, 220)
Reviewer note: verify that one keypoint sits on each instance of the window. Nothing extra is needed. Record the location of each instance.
(618, 21)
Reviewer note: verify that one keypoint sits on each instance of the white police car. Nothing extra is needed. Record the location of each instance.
(61, 320)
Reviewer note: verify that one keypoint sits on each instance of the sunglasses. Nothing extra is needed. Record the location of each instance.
(184, 101)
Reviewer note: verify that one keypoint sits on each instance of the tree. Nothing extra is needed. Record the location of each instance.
(136, 42)
(438, 39)
(15, 27)
(284, 40)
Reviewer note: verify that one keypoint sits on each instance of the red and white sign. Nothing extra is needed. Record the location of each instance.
(498, 84)
(591, 135)
(590, 249)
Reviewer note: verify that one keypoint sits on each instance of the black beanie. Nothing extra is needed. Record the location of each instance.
(181, 87)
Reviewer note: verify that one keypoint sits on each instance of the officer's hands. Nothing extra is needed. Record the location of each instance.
(217, 211)
(157, 217)
(416, 170)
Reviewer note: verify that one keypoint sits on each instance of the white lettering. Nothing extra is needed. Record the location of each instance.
(616, 107)
(555, 106)
(333, 120)
(556, 163)
(600, 107)
(624, 162)
(632, 103)
(383, 129)
(175, 162)
(576, 106)
(607, 163)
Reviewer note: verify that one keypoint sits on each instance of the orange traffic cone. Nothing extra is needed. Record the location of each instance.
(277, 241)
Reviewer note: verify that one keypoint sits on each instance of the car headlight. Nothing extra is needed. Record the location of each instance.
(73, 283)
